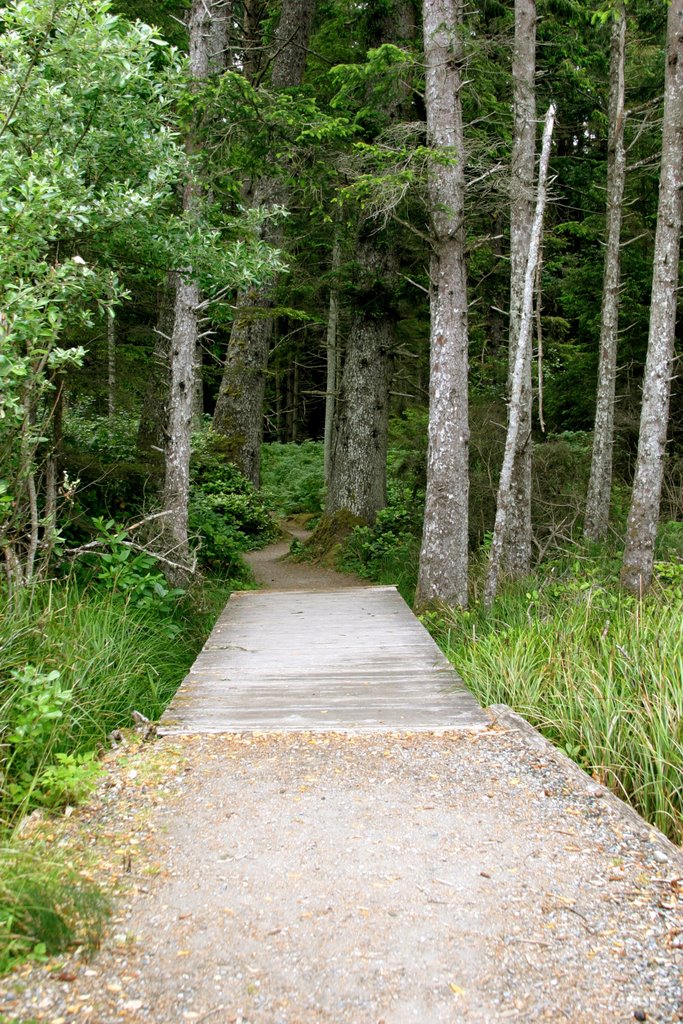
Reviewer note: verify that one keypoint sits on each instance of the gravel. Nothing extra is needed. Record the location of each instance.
(301, 878)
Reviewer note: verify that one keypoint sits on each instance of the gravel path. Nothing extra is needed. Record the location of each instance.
(380, 879)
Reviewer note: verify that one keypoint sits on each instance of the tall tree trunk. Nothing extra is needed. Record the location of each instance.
(517, 547)
(239, 407)
(357, 479)
(332, 343)
(506, 493)
(151, 438)
(208, 31)
(357, 471)
(600, 483)
(636, 574)
(111, 358)
(443, 557)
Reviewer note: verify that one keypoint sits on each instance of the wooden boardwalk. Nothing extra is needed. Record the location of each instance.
(353, 660)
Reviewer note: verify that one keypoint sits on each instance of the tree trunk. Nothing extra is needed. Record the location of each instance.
(111, 359)
(208, 30)
(151, 439)
(332, 343)
(600, 483)
(506, 493)
(239, 407)
(443, 557)
(177, 482)
(357, 481)
(517, 548)
(636, 574)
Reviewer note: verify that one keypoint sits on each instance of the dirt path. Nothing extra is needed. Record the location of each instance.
(379, 879)
(274, 571)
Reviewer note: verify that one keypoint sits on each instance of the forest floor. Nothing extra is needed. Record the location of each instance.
(379, 879)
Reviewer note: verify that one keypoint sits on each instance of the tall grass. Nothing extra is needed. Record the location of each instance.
(113, 657)
(599, 673)
(74, 663)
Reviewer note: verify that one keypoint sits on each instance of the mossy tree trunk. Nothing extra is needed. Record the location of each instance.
(239, 407)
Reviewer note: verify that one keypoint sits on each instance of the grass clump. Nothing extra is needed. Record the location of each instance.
(598, 672)
(46, 907)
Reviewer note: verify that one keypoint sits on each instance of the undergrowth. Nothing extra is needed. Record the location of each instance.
(75, 661)
(292, 477)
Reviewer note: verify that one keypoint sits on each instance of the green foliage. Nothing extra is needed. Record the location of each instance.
(74, 664)
(292, 477)
(34, 712)
(132, 575)
(596, 671)
(386, 552)
(45, 907)
(226, 513)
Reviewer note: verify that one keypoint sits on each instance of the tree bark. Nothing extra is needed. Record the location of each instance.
(506, 494)
(151, 439)
(177, 481)
(357, 481)
(600, 483)
(208, 32)
(636, 574)
(517, 548)
(444, 554)
(239, 407)
(111, 360)
(332, 343)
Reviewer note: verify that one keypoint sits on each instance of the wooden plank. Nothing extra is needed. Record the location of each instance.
(352, 660)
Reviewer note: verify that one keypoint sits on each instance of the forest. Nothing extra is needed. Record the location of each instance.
(406, 271)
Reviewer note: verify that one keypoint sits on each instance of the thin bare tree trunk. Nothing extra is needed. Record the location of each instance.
(151, 438)
(444, 553)
(506, 495)
(600, 483)
(636, 574)
(111, 359)
(208, 32)
(332, 342)
(239, 407)
(516, 556)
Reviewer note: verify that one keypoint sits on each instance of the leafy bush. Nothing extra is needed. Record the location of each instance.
(226, 513)
(386, 552)
(131, 574)
(292, 477)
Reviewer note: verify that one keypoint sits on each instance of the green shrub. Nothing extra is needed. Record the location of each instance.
(74, 663)
(226, 514)
(386, 552)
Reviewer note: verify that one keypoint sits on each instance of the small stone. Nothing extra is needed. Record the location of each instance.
(640, 1015)
(661, 858)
